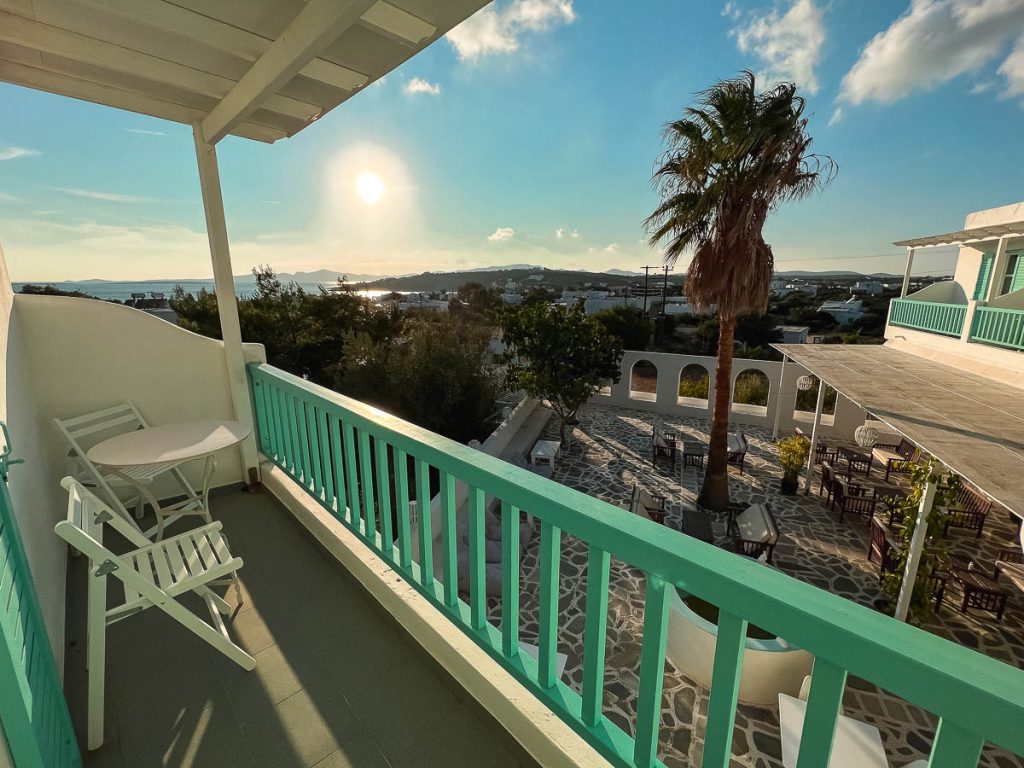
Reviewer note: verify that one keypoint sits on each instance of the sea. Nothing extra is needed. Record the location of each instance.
(122, 291)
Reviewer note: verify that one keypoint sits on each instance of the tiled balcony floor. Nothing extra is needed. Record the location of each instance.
(335, 684)
(612, 451)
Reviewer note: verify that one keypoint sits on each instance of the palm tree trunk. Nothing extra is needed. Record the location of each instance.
(714, 493)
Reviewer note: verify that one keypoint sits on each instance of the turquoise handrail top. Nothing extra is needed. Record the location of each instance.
(312, 433)
(947, 319)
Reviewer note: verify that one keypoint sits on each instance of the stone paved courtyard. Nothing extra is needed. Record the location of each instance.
(611, 452)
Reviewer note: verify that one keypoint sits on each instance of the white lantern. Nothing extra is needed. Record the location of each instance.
(805, 383)
(865, 436)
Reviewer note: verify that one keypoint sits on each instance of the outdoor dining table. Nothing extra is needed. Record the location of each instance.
(164, 448)
(855, 459)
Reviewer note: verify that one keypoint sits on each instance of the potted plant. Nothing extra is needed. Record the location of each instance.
(793, 453)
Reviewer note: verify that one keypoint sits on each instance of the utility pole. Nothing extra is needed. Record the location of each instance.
(664, 292)
(647, 273)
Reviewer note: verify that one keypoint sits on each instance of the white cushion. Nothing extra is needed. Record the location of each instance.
(754, 524)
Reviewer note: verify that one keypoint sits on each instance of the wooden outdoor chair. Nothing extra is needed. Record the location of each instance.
(883, 545)
(154, 574)
(82, 432)
(645, 503)
(664, 445)
(969, 511)
(828, 480)
(822, 451)
(852, 499)
(737, 447)
(754, 531)
(895, 457)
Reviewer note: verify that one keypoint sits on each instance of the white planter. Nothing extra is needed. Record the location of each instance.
(770, 667)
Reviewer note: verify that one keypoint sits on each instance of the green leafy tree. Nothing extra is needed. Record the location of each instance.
(628, 324)
(559, 354)
(731, 161)
(480, 300)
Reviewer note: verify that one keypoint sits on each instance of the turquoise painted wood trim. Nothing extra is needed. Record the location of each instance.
(595, 634)
(34, 713)
(947, 319)
(477, 561)
(280, 426)
(338, 463)
(824, 703)
(977, 693)
(402, 499)
(984, 276)
(1017, 281)
(289, 419)
(304, 452)
(509, 579)
(315, 454)
(954, 746)
(351, 473)
(998, 327)
(550, 560)
(425, 524)
(326, 457)
(366, 479)
(380, 451)
(257, 390)
(652, 672)
(449, 558)
(725, 690)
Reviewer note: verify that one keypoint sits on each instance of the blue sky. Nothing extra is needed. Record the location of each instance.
(529, 136)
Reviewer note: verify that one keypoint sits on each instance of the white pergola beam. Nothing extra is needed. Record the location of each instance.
(907, 272)
(819, 406)
(392, 20)
(76, 88)
(81, 48)
(220, 35)
(916, 549)
(315, 27)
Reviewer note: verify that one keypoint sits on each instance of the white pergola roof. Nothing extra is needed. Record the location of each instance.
(967, 236)
(261, 69)
(973, 425)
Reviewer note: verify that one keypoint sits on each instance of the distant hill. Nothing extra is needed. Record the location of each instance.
(499, 276)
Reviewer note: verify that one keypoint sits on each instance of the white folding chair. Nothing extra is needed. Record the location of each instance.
(154, 574)
(82, 432)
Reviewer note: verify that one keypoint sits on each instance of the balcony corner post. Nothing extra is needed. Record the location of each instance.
(906, 274)
(965, 333)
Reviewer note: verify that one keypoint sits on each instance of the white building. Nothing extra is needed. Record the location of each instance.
(793, 334)
(845, 312)
(869, 287)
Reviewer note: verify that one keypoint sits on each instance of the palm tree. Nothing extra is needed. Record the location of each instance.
(731, 160)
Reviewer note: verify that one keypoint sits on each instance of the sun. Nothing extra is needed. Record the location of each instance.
(370, 187)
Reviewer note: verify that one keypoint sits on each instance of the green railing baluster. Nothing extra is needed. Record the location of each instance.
(262, 433)
(954, 746)
(595, 635)
(338, 462)
(369, 506)
(425, 527)
(294, 453)
(547, 619)
(652, 672)
(326, 457)
(304, 457)
(402, 500)
(509, 579)
(823, 705)
(281, 424)
(351, 473)
(725, 689)
(384, 497)
(477, 561)
(449, 557)
(315, 455)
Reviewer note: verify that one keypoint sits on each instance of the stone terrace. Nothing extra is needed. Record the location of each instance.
(611, 452)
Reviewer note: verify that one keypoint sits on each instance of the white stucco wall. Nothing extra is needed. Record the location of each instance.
(667, 401)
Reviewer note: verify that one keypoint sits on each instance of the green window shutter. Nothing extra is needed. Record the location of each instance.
(984, 274)
(1018, 274)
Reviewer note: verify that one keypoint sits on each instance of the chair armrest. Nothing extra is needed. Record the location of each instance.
(661, 500)
(887, 446)
(1010, 555)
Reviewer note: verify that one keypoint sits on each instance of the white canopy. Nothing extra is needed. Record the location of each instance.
(262, 69)
(966, 236)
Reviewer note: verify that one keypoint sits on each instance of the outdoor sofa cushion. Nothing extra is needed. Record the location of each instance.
(756, 524)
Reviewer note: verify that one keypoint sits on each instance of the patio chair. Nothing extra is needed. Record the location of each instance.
(645, 503)
(969, 511)
(828, 479)
(737, 450)
(664, 445)
(883, 545)
(754, 531)
(852, 499)
(82, 432)
(154, 574)
(822, 451)
(895, 457)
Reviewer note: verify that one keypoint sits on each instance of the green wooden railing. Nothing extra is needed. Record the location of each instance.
(33, 711)
(365, 466)
(1001, 327)
(929, 316)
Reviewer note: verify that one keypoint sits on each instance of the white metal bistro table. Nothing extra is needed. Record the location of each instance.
(163, 448)
(855, 745)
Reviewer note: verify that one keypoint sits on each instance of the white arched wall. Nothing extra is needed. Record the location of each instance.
(781, 394)
(638, 394)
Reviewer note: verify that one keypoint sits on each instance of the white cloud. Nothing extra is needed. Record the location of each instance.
(612, 248)
(562, 233)
(107, 197)
(12, 153)
(789, 45)
(497, 29)
(983, 87)
(730, 11)
(501, 234)
(419, 85)
(933, 42)
(144, 132)
(1013, 70)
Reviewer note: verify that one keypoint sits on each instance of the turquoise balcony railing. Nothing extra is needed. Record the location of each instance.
(364, 467)
(947, 319)
(1001, 327)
